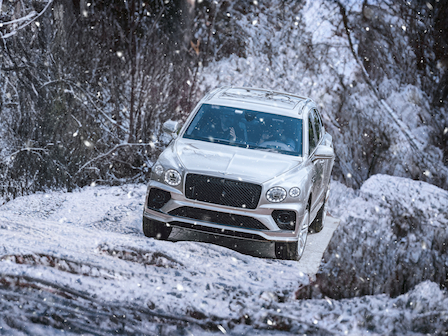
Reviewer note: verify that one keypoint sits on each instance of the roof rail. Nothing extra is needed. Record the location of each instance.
(215, 91)
(302, 105)
(266, 90)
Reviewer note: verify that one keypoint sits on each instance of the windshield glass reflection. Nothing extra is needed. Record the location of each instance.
(247, 128)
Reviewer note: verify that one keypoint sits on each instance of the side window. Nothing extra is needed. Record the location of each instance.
(311, 133)
(317, 126)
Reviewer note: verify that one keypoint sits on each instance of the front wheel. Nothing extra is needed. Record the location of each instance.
(154, 229)
(294, 250)
(318, 223)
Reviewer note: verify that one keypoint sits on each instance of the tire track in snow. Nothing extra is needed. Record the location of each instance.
(29, 300)
(64, 265)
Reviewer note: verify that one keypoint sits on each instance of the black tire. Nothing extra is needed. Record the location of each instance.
(154, 229)
(318, 223)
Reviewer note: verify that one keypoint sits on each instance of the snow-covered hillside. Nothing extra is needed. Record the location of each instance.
(380, 123)
(79, 263)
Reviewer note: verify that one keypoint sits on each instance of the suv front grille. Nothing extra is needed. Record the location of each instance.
(218, 217)
(222, 191)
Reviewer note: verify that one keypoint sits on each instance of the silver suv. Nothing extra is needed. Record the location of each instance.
(249, 163)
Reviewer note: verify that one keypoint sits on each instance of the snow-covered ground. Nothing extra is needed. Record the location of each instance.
(78, 262)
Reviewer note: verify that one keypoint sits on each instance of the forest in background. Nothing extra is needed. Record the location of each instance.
(86, 85)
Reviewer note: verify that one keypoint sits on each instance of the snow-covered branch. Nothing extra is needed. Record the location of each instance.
(424, 160)
(152, 145)
(29, 18)
(31, 150)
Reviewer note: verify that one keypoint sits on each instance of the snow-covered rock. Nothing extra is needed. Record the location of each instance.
(392, 236)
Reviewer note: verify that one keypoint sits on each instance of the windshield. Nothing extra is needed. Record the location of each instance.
(247, 128)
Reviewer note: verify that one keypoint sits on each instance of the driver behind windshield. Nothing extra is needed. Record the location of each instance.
(229, 128)
(214, 123)
(275, 132)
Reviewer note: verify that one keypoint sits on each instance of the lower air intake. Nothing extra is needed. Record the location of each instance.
(218, 217)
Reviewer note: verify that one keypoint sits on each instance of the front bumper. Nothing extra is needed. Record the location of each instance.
(262, 214)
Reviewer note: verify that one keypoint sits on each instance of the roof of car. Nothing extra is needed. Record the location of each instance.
(259, 100)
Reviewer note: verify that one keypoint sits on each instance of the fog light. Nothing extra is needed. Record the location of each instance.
(285, 219)
(157, 198)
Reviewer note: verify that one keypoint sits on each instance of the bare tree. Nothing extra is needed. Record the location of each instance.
(85, 88)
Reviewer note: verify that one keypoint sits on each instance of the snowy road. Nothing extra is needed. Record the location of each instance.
(308, 264)
(79, 263)
(85, 253)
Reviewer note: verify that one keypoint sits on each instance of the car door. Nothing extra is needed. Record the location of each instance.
(327, 163)
(312, 144)
(314, 140)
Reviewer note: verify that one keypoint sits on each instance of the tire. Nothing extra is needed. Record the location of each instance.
(154, 229)
(294, 250)
(318, 223)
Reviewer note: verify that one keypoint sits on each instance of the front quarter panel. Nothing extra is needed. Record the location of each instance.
(300, 177)
(168, 159)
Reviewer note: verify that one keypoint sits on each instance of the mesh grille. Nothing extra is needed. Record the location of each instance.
(222, 191)
(218, 217)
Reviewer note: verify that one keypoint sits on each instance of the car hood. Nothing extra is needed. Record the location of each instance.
(232, 162)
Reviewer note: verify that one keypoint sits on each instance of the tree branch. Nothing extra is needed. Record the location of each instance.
(34, 17)
(402, 127)
(152, 145)
(32, 150)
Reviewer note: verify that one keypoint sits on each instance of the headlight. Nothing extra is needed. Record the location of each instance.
(276, 194)
(294, 192)
(158, 169)
(172, 177)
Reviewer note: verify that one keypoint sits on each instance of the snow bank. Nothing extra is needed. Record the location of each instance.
(392, 236)
(87, 247)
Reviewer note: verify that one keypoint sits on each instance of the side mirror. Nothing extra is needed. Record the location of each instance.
(171, 127)
(323, 152)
